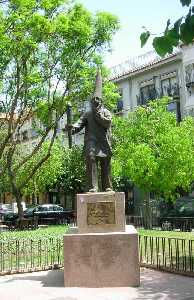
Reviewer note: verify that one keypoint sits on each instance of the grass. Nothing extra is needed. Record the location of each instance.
(32, 249)
(43, 247)
(50, 231)
(167, 234)
(59, 230)
(167, 249)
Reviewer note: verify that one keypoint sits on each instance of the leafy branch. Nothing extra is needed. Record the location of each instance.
(180, 31)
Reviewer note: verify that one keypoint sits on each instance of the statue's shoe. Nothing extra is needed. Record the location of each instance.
(93, 191)
(109, 190)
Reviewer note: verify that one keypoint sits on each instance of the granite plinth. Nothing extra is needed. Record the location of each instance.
(101, 259)
(101, 212)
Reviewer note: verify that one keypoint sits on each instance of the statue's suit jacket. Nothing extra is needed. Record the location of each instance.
(97, 131)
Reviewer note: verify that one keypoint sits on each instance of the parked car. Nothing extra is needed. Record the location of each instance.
(5, 209)
(46, 213)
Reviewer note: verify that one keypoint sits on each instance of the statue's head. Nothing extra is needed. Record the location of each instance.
(97, 96)
(96, 102)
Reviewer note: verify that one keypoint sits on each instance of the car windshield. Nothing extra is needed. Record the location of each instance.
(45, 208)
(57, 208)
(185, 206)
(29, 210)
(5, 207)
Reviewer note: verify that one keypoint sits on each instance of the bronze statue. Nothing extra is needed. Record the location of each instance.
(97, 124)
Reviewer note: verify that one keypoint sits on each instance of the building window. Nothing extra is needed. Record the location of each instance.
(119, 105)
(170, 88)
(169, 84)
(147, 93)
(120, 101)
(189, 74)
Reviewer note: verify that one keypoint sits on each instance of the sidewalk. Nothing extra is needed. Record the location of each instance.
(48, 285)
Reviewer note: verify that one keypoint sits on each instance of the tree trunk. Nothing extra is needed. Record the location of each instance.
(16, 192)
(147, 216)
(18, 197)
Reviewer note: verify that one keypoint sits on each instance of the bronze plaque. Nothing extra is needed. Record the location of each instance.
(101, 213)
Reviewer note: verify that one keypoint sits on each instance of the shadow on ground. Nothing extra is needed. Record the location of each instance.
(53, 278)
(155, 285)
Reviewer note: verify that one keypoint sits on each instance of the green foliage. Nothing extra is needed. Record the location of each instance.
(88, 77)
(58, 231)
(144, 37)
(48, 174)
(55, 44)
(49, 50)
(185, 2)
(74, 172)
(153, 150)
(110, 94)
(181, 30)
(46, 233)
(4, 184)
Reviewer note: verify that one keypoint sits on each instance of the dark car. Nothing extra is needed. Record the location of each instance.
(46, 213)
(5, 209)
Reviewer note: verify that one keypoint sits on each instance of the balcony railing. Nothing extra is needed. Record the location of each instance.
(156, 93)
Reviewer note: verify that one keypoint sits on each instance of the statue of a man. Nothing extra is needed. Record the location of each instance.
(97, 124)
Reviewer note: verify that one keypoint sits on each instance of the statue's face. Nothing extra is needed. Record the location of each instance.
(96, 102)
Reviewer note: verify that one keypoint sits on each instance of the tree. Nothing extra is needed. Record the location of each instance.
(155, 151)
(48, 174)
(181, 31)
(48, 53)
(73, 177)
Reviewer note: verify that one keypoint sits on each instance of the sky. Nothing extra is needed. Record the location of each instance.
(133, 14)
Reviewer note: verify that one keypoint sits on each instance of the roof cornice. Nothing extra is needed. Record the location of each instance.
(142, 69)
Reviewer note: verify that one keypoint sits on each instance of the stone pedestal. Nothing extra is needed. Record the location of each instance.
(101, 259)
(102, 251)
(101, 212)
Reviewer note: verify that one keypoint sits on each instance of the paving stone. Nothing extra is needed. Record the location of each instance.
(48, 285)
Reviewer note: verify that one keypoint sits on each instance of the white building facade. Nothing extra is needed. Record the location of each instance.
(149, 76)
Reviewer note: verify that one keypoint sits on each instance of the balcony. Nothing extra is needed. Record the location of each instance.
(170, 91)
(152, 93)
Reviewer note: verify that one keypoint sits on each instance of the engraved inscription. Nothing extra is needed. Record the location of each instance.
(101, 213)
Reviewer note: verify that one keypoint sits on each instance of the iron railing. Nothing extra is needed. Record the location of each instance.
(26, 255)
(162, 223)
(139, 221)
(156, 93)
(170, 254)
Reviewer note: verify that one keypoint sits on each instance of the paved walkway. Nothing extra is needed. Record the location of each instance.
(48, 285)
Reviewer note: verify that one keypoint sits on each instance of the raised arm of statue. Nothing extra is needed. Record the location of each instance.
(103, 117)
(80, 124)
